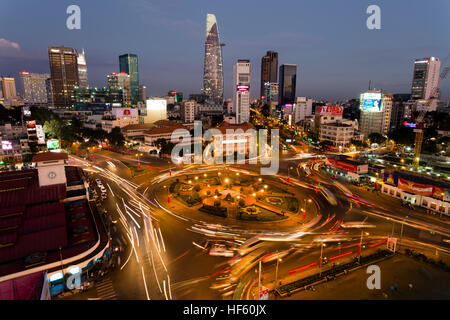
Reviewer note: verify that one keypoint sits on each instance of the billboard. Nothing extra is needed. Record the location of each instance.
(31, 125)
(6, 145)
(40, 134)
(124, 112)
(52, 144)
(370, 102)
(26, 111)
(414, 187)
(242, 88)
(330, 110)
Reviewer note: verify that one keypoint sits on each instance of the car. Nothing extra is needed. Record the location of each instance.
(334, 177)
(103, 189)
(104, 195)
(220, 250)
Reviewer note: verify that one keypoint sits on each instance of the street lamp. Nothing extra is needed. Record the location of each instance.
(276, 270)
(360, 244)
(321, 255)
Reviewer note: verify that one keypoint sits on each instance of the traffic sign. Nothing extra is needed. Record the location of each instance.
(392, 244)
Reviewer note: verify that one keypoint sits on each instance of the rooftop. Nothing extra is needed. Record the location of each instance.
(50, 156)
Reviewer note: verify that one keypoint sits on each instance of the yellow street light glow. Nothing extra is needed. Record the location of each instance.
(262, 190)
(259, 179)
(189, 181)
(226, 180)
(204, 174)
(309, 200)
(238, 197)
(215, 197)
(219, 173)
(237, 173)
(254, 194)
(266, 186)
(196, 178)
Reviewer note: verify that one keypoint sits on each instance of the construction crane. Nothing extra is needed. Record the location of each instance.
(128, 83)
(419, 120)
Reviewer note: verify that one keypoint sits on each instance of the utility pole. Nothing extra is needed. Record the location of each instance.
(276, 271)
(259, 280)
(320, 262)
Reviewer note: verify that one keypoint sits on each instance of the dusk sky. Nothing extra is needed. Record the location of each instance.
(335, 52)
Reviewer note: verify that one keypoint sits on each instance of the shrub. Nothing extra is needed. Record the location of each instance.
(241, 202)
(217, 203)
(208, 192)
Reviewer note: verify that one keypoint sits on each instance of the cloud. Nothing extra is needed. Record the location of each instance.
(8, 48)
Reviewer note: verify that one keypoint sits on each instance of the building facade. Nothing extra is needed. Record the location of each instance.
(269, 70)
(34, 86)
(64, 75)
(302, 108)
(129, 64)
(83, 82)
(241, 91)
(9, 87)
(288, 83)
(375, 115)
(213, 65)
(425, 80)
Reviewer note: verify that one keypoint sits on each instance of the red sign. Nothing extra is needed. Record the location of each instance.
(438, 192)
(126, 112)
(31, 124)
(329, 110)
(343, 165)
(242, 87)
(414, 187)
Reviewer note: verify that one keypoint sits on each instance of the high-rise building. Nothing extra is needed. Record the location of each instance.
(119, 81)
(142, 93)
(129, 64)
(241, 91)
(188, 111)
(269, 70)
(34, 87)
(9, 87)
(64, 74)
(375, 115)
(83, 82)
(213, 65)
(287, 83)
(425, 78)
(302, 108)
(49, 91)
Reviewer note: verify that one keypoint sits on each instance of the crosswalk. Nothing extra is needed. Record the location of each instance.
(105, 289)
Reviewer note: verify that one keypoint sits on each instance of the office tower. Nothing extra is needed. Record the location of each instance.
(269, 68)
(64, 75)
(9, 87)
(302, 108)
(213, 66)
(34, 87)
(142, 93)
(375, 115)
(241, 91)
(287, 83)
(188, 111)
(119, 81)
(82, 71)
(425, 78)
(129, 64)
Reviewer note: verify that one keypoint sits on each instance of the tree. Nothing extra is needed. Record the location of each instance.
(377, 138)
(241, 203)
(54, 128)
(116, 137)
(197, 187)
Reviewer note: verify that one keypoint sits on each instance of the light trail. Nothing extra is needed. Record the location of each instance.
(145, 284)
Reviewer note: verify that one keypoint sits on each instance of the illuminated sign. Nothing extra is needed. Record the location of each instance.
(409, 124)
(52, 144)
(370, 101)
(26, 111)
(31, 124)
(329, 110)
(156, 110)
(243, 88)
(40, 134)
(124, 112)
(6, 145)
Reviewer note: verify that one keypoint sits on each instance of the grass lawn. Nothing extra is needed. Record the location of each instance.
(263, 215)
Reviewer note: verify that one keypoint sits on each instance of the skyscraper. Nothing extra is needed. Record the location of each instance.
(375, 115)
(129, 64)
(269, 69)
(142, 93)
(64, 74)
(213, 66)
(9, 87)
(287, 83)
(34, 87)
(425, 78)
(241, 91)
(82, 71)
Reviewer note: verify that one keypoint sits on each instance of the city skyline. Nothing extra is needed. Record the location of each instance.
(383, 56)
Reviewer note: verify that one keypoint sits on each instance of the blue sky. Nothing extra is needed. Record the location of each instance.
(328, 39)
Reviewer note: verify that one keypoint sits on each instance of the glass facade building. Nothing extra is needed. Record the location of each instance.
(213, 65)
(287, 83)
(269, 70)
(129, 64)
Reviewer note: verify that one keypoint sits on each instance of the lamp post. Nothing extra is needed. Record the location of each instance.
(276, 270)
(321, 255)
(360, 244)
